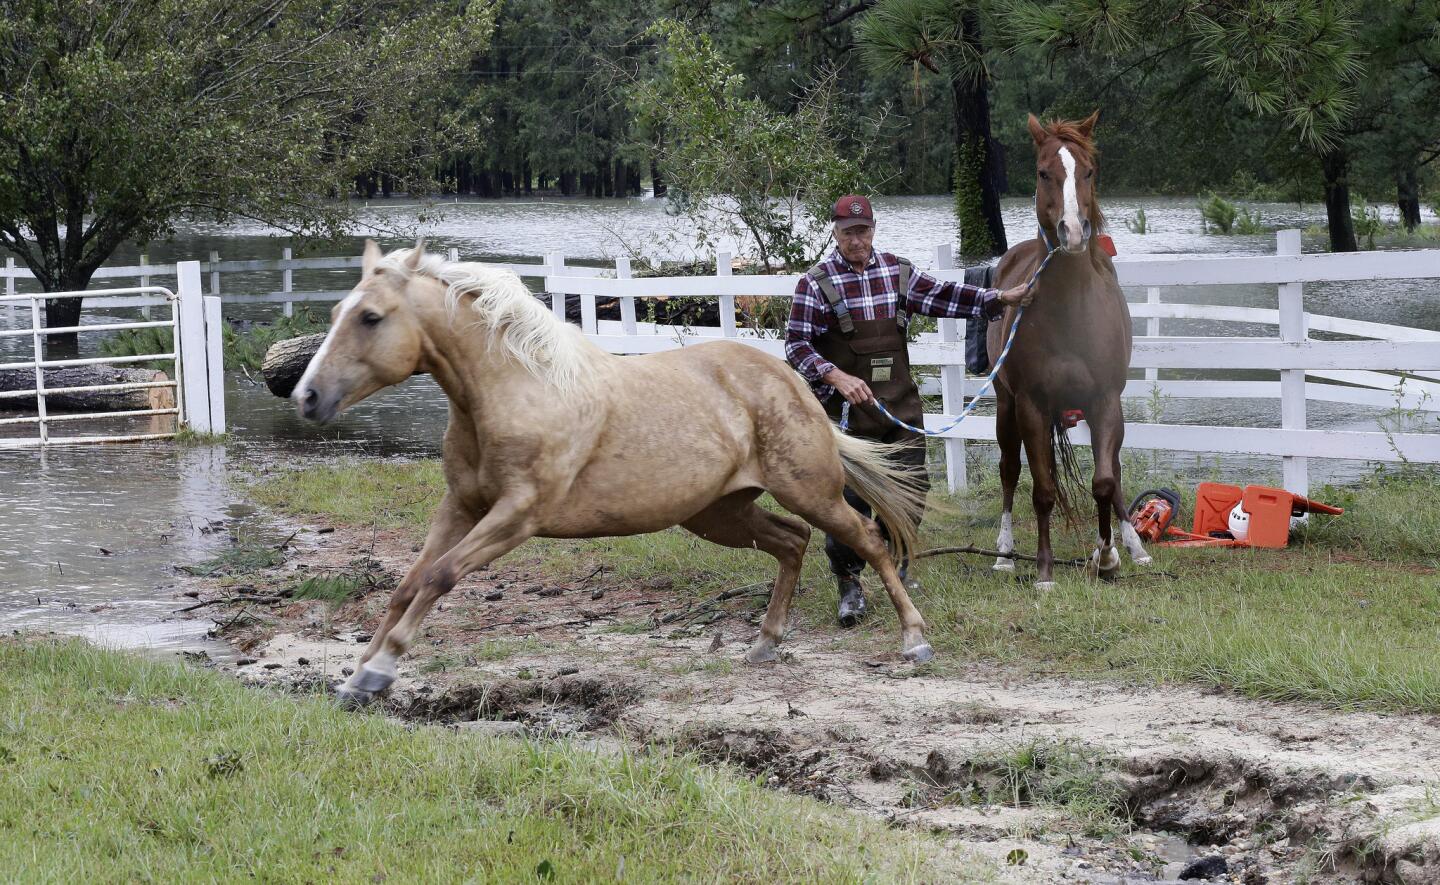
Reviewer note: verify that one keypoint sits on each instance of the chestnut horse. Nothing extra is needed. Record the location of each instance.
(1072, 351)
(551, 436)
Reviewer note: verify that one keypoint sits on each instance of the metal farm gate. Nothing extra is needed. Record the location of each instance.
(191, 397)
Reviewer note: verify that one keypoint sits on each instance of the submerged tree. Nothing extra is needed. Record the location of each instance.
(117, 119)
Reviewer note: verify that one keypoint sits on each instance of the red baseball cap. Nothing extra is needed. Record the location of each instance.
(852, 210)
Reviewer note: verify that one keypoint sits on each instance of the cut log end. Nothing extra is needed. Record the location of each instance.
(286, 361)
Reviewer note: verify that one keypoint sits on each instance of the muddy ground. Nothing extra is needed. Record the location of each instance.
(1052, 780)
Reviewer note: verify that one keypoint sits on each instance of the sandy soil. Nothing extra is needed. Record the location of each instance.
(1281, 792)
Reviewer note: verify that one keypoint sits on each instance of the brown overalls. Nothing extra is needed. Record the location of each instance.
(877, 352)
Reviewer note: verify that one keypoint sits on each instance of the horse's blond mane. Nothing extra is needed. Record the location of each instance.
(551, 350)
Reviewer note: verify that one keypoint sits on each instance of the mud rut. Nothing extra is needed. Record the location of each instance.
(1185, 778)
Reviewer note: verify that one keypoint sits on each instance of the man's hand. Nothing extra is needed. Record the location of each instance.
(853, 389)
(1020, 296)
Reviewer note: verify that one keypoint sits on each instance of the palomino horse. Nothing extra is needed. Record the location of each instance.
(551, 436)
(1072, 351)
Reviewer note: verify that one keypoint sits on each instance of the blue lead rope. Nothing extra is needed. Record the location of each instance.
(989, 381)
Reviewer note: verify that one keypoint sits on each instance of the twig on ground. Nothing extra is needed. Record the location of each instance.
(694, 611)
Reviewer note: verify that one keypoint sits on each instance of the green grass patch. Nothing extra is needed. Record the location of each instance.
(1348, 615)
(217, 782)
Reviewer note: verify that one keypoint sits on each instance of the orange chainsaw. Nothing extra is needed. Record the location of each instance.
(1152, 511)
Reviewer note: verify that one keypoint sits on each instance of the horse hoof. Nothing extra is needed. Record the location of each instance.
(1004, 565)
(1142, 560)
(762, 652)
(1044, 585)
(352, 698)
(919, 654)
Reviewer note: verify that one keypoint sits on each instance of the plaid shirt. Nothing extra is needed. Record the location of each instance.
(871, 296)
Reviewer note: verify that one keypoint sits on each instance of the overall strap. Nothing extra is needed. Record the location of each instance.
(837, 303)
(902, 318)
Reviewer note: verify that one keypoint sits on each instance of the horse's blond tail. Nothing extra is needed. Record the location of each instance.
(892, 490)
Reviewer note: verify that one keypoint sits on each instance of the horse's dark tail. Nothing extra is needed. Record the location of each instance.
(1070, 485)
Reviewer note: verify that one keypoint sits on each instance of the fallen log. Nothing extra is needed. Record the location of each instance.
(22, 382)
(286, 360)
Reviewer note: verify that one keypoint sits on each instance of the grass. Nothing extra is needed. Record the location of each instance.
(117, 768)
(1348, 616)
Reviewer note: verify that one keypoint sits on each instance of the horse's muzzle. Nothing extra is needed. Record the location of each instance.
(315, 407)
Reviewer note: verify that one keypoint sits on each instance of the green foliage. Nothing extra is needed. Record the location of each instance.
(1217, 212)
(118, 119)
(1227, 218)
(975, 239)
(1296, 60)
(140, 342)
(247, 349)
(1137, 223)
(899, 34)
(1366, 219)
(1247, 222)
(736, 166)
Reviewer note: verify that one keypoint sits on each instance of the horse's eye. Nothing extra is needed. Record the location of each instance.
(1044, 175)
(371, 318)
(1090, 174)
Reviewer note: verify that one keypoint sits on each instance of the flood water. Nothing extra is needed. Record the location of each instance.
(90, 536)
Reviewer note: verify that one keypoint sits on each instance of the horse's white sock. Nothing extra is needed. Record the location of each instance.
(1132, 543)
(1005, 543)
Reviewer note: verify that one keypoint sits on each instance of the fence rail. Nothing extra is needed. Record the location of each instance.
(1390, 366)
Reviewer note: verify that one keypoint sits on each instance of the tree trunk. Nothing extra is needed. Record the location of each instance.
(657, 180)
(978, 169)
(87, 401)
(1336, 166)
(1407, 186)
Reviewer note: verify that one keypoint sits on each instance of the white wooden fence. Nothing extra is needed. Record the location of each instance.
(1368, 371)
(194, 321)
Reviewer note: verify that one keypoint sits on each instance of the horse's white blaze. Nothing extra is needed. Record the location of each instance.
(1132, 544)
(345, 306)
(1074, 232)
(1005, 543)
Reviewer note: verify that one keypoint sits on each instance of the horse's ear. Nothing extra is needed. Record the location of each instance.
(412, 261)
(1037, 131)
(1087, 125)
(370, 259)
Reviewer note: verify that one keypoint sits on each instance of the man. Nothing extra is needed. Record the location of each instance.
(847, 337)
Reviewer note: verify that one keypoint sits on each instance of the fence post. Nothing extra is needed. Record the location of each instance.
(215, 362)
(214, 272)
(627, 302)
(144, 281)
(727, 302)
(453, 254)
(1292, 381)
(190, 346)
(555, 262)
(39, 349)
(952, 384)
(10, 290)
(287, 279)
(1152, 328)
